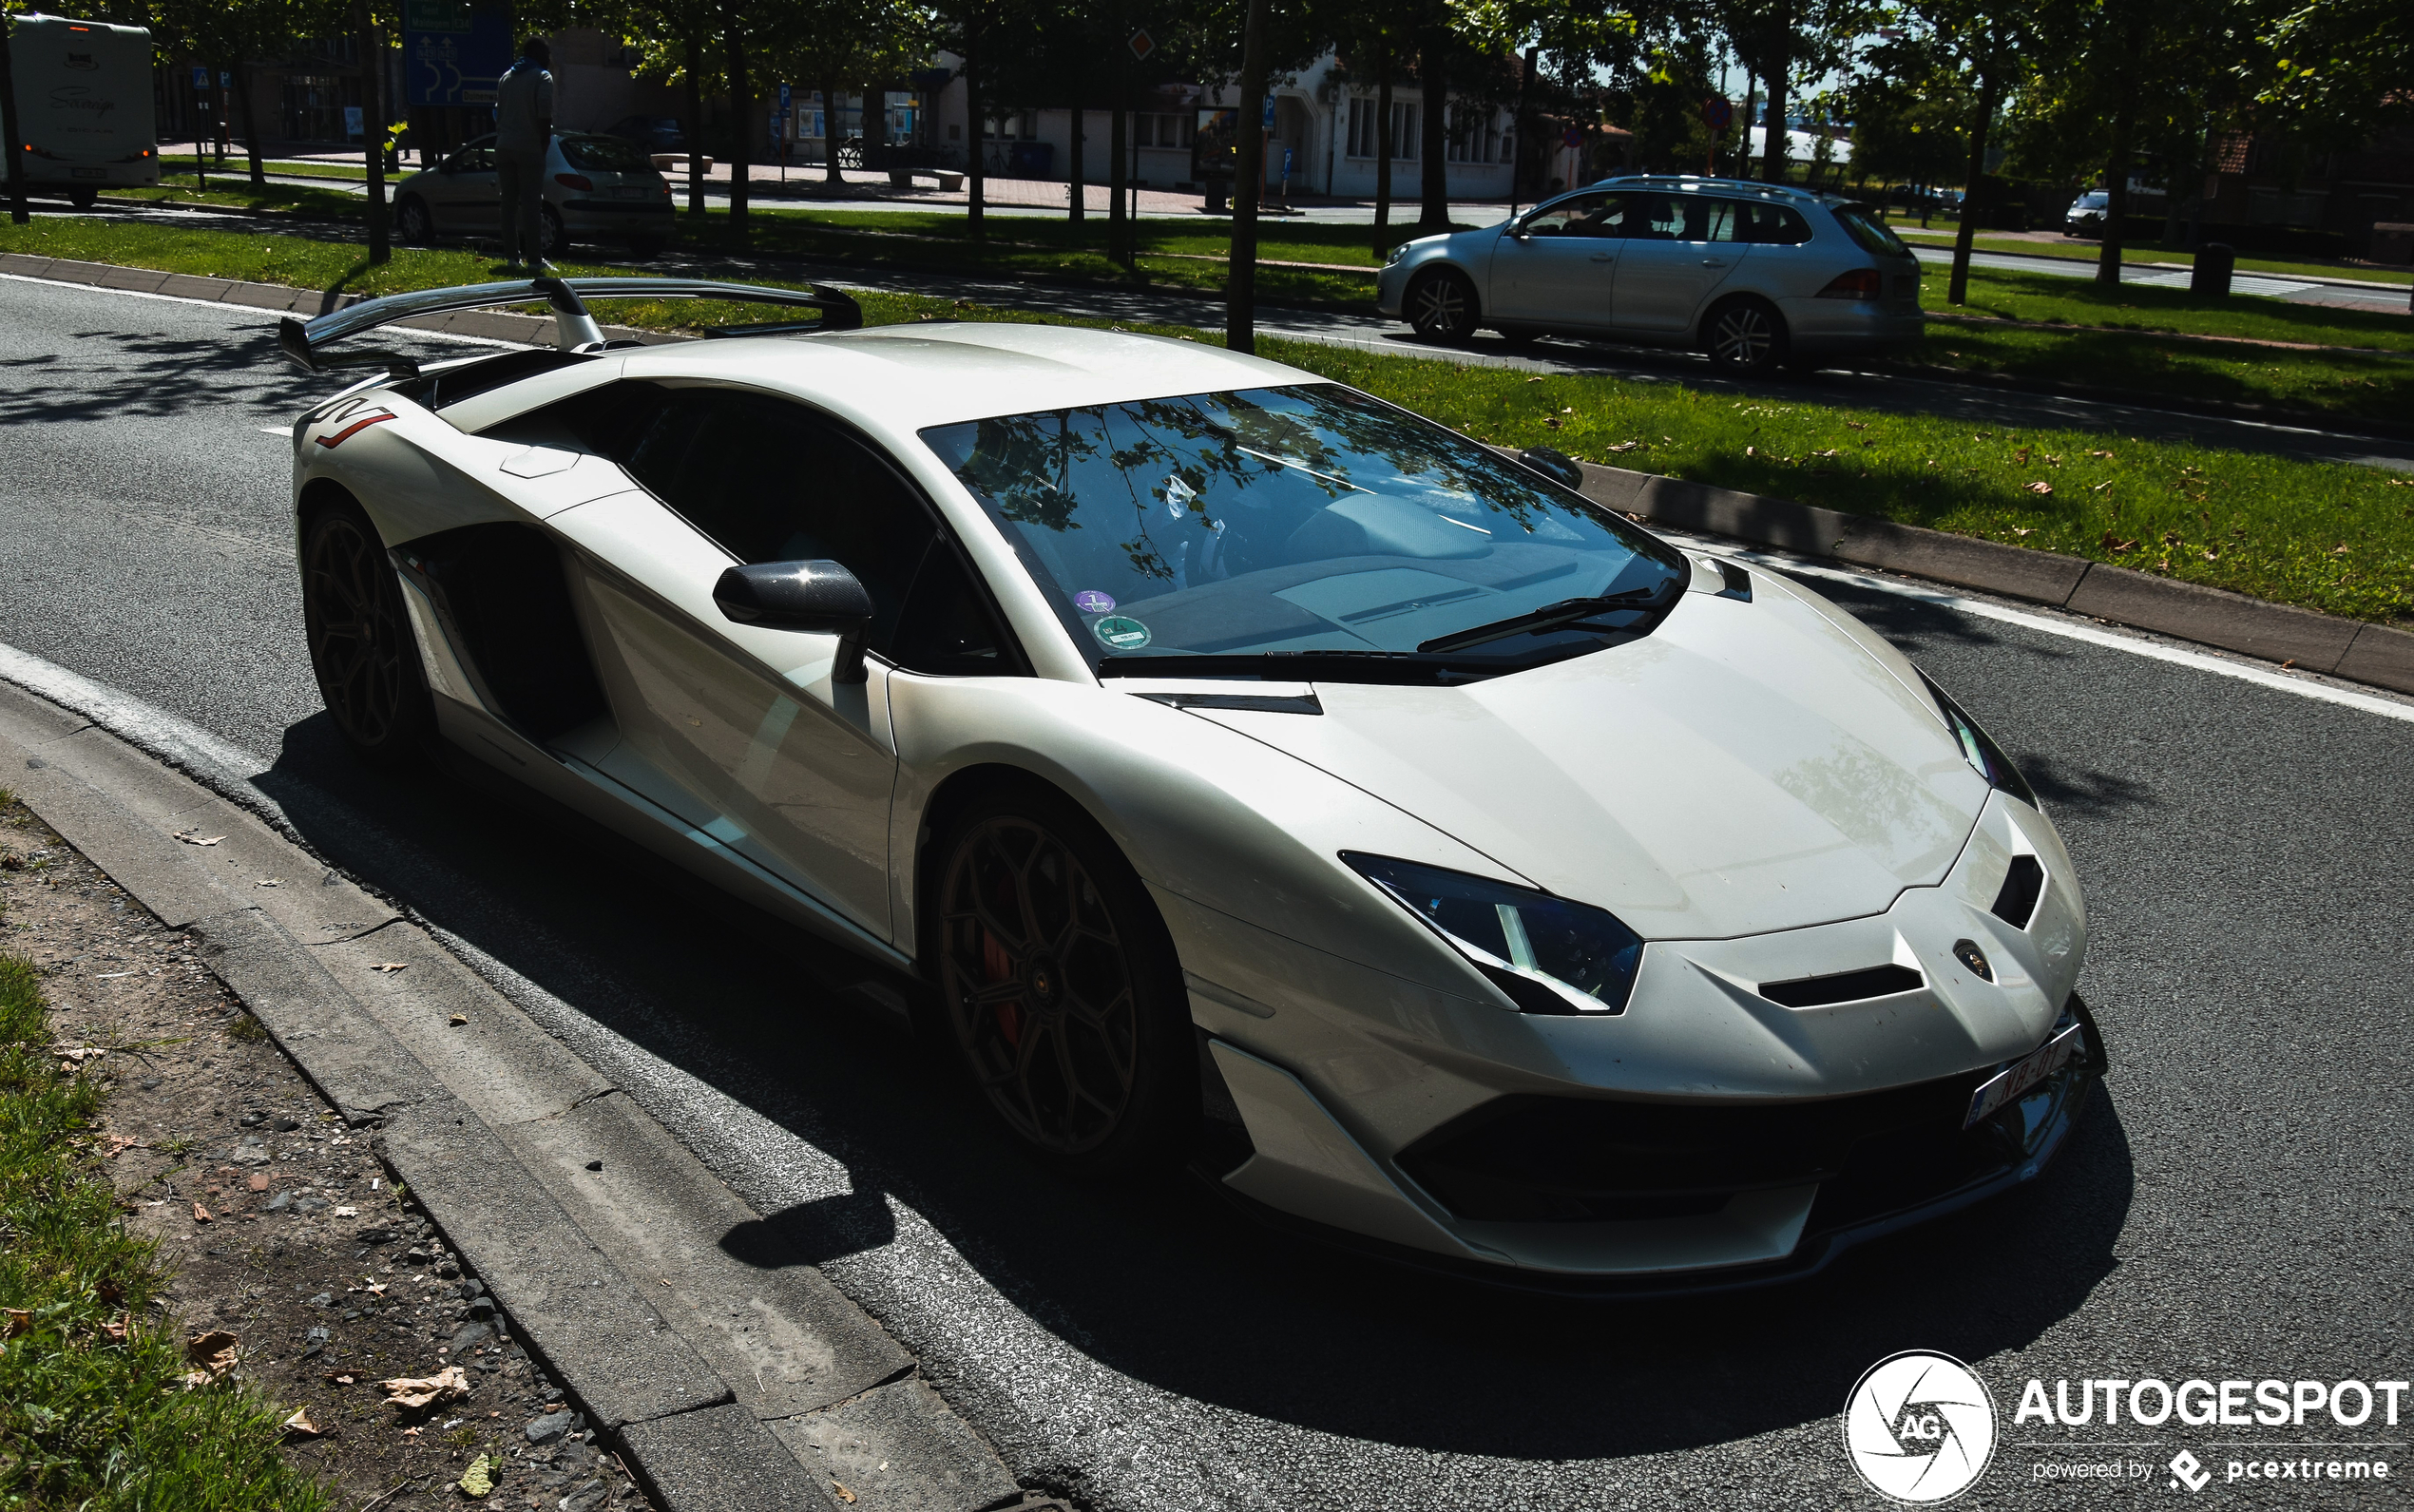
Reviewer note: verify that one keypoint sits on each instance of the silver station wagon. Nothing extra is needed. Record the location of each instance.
(1758, 276)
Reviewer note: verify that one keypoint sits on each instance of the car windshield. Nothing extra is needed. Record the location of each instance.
(604, 155)
(1306, 531)
(1871, 234)
(2095, 200)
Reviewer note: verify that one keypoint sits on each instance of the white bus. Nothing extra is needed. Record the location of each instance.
(83, 104)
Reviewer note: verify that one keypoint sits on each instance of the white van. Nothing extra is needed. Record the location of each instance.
(83, 104)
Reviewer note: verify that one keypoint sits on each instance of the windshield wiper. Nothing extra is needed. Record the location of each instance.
(1567, 611)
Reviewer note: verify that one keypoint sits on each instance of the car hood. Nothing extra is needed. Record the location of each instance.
(1747, 767)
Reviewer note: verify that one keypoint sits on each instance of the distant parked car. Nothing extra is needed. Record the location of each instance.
(2087, 214)
(596, 188)
(651, 133)
(1756, 275)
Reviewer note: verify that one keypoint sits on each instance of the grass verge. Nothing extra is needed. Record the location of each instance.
(2328, 537)
(93, 1410)
(2080, 250)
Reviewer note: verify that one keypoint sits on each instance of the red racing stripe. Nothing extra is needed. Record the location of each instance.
(352, 429)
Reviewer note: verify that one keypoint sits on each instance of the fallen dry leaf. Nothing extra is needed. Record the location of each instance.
(114, 1144)
(415, 1392)
(392, 966)
(200, 1213)
(299, 1424)
(838, 1489)
(266, 882)
(2099, 454)
(1625, 446)
(115, 1327)
(459, 1019)
(2041, 488)
(19, 1320)
(195, 838)
(216, 1352)
(1854, 425)
(346, 1213)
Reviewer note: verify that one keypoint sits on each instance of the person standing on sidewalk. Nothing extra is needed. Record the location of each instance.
(522, 133)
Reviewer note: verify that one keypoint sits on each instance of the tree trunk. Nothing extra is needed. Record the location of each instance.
(972, 130)
(1119, 229)
(1240, 282)
(830, 175)
(251, 130)
(372, 55)
(740, 128)
(875, 123)
(217, 116)
(1778, 63)
(18, 213)
(1383, 151)
(695, 127)
(1517, 128)
(1957, 290)
(1433, 206)
(1074, 209)
(2117, 205)
(1751, 103)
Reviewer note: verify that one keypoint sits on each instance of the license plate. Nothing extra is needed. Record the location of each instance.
(625, 191)
(2016, 1081)
(89, 173)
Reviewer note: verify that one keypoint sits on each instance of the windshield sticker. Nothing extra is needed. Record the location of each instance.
(1121, 632)
(1089, 600)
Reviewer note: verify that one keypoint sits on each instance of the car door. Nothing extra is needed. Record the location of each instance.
(1555, 267)
(794, 770)
(466, 195)
(1678, 248)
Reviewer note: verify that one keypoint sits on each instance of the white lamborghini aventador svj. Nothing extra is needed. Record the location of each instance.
(1257, 773)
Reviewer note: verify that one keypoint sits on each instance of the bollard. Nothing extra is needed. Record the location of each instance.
(2210, 280)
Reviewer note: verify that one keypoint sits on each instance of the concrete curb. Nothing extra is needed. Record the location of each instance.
(2316, 643)
(721, 1380)
(2303, 637)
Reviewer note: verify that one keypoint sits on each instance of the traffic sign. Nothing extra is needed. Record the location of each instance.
(1572, 137)
(1142, 44)
(1718, 113)
(1270, 112)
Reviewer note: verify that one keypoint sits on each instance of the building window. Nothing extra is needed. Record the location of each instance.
(1164, 130)
(1020, 125)
(1362, 142)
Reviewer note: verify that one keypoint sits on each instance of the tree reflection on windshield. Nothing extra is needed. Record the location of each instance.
(1296, 519)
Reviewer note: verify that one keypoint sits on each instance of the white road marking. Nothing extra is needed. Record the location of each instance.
(2094, 635)
(13, 663)
(261, 316)
(273, 430)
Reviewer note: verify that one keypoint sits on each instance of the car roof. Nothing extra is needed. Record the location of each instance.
(899, 378)
(1744, 186)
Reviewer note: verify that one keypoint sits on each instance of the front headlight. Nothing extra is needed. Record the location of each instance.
(1398, 251)
(1549, 954)
(1979, 749)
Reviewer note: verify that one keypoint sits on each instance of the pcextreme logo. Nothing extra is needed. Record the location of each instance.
(1920, 1427)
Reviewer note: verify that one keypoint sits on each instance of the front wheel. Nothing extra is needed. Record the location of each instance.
(1060, 985)
(413, 223)
(1746, 338)
(1442, 306)
(358, 630)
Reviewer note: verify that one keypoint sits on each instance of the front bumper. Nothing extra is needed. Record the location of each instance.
(1709, 1131)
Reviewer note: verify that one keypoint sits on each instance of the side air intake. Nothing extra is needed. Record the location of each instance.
(1844, 986)
(2016, 903)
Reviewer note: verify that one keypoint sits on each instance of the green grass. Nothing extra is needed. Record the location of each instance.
(2042, 296)
(236, 192)
(2268, 526)
(239, 165)
(89, 1419)
(2083, 250)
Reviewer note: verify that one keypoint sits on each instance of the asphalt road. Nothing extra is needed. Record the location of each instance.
(2235, 1206)
(1889, 392)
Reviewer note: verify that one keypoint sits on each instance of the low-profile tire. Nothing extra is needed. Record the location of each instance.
(1745, 336)
(413, 223)
(1442, 307)
(1059, 987)
(557, 236)
(358, 631)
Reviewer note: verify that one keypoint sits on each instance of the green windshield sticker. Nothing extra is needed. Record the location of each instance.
(1121, 632)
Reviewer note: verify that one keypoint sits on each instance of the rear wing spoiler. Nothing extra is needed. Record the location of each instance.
(305, 341)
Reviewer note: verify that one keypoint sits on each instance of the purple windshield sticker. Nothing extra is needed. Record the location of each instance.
(1089, 600)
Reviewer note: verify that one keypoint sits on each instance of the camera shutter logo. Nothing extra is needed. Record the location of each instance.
(1920, 1427)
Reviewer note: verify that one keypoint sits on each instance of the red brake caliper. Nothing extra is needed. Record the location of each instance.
(996, 967)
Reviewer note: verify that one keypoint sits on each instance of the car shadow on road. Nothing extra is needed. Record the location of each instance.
(1160, 1281)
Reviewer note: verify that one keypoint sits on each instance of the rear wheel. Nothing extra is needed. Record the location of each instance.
(1442, 306)
(1060, 985)
(361, 648)
(1746, 336)
(557, 236)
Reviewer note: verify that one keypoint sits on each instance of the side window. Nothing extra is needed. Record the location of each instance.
(1578, 215)
(948, 628)
(769, 481)
(1775, 225)
(472, 160)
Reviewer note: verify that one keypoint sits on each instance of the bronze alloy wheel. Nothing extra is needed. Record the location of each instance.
(1747, 336)
(1039, 985)
(360, 641)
